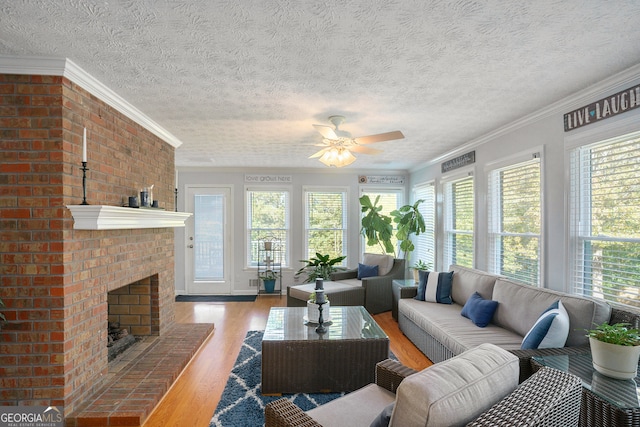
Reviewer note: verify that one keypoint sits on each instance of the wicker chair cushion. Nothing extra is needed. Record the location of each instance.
(360, 407)
(456, 391)
(384, 262)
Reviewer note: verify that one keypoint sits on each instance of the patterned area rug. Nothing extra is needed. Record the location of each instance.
(242, 403)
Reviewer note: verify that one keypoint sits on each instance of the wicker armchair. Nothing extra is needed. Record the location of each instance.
(549, 398)
(377, 290)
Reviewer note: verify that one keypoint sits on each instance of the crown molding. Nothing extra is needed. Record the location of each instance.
(64, 67)
(601, 89)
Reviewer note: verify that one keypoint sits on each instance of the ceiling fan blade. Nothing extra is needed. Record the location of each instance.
(364, 150)
(319, 153)
(389, 136)
(326, 131)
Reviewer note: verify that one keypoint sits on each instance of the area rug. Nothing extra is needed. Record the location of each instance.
(215, 298)
(242, 403)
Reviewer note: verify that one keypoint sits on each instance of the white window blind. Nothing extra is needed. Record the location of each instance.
(458, 227)
(326, 222)
(267, 216)
(605, 220)
(514, 213)
(425, 243)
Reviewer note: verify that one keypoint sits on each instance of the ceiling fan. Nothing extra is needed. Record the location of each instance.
(339, 145)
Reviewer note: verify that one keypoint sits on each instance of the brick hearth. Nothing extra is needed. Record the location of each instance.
(140, 379)
(54, 279)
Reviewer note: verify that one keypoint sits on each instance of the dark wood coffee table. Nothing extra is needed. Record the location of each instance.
(296, 359)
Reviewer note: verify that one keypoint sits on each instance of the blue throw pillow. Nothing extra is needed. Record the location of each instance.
(435, 287)
(550, 330)
(367, 271)
(479, 310)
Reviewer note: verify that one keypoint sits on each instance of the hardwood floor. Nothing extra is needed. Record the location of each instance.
(194, 396)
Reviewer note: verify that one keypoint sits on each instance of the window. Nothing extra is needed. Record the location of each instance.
(425, 243)
(458, 222)
(390, 200)
(605, 220)
(326, 222)
(514, 212)
(267, 216)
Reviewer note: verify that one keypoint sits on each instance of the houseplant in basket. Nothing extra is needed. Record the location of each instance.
(615, 350)
(269, 279)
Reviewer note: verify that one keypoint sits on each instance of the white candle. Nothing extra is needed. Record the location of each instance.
(176, 179)
(84, 145)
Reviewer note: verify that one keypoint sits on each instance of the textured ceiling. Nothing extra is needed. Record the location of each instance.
(240, 83)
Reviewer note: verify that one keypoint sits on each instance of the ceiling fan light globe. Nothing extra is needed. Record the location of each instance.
(337, 157)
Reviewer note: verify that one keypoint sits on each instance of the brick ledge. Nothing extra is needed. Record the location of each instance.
(133, 392)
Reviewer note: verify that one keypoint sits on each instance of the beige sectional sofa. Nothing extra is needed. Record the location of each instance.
(440, 331)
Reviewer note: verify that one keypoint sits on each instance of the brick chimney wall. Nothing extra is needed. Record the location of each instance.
(54, 279)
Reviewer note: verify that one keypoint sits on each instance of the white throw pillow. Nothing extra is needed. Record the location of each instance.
(550, 330)
(384, 262)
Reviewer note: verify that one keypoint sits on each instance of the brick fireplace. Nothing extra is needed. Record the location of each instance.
(55, 280)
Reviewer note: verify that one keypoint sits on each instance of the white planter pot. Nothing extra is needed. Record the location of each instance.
(313, 314)
(615, 361)
(416, 276)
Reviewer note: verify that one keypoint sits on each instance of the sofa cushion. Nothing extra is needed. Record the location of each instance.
(360, 407)
(367, 271)
(384, 262)
(444, 323)
(466, 281)
(479, 310)
(550, 330)
(456, 391)
(520, 306)
(434, 287)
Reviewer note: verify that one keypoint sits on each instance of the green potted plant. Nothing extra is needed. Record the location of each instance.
(378, 229)
(269, 279)
(320, 266)
(615, 350)
(409, 221)
(420, 265)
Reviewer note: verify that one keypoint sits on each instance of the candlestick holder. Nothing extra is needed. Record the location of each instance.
(321, 329)
(84, 183)
(175, 203)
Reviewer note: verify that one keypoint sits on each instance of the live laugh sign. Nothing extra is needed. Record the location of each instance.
(610, 106)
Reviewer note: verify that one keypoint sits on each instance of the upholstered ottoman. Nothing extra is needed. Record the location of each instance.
(339, 294)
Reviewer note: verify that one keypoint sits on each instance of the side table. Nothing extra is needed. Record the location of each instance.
(402, 288)
(605, 401)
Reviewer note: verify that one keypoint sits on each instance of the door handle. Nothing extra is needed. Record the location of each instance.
(190, 246)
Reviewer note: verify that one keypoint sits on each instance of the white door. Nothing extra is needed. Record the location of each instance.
(208, 247)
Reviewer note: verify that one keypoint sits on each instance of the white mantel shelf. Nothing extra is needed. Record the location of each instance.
(102, 217)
